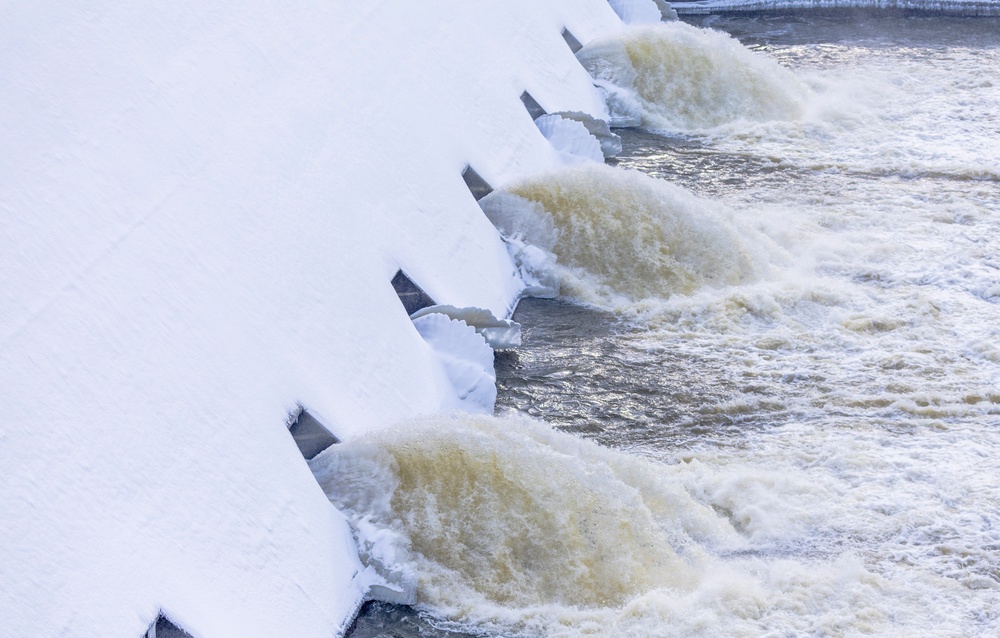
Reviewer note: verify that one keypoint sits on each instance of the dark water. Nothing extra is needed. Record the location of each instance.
(382, 620)
(578, 371)
(857, 27)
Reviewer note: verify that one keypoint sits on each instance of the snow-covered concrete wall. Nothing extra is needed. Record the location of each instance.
(202, 204)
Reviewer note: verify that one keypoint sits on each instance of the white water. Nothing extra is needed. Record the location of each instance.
(681, 78)
(622, 234)
(836, 267)
(512, 525)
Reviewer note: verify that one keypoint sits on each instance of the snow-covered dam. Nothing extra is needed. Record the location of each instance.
(509, 319)
(203, 206)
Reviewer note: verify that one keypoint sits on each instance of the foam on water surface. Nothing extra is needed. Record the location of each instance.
(620, 233)
(508, 523)
(682, 78)
(511, 526)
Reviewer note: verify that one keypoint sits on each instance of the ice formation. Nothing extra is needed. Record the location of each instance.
(571, 139)
(498, 333)
(465, 357)
(611, 144)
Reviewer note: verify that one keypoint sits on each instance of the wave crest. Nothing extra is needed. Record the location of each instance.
(621, 233)
(684, 79)
(514, 513)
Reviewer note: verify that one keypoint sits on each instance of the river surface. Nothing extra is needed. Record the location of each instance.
(767, 401)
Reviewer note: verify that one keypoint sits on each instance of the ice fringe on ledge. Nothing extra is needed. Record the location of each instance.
(466, 358)
(498, 333)
(942, 7)
(571, 139)
(611, 144)
(666, 10)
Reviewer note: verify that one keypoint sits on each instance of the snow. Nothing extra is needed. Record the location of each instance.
(571, 139)
(203, 205)
(465, 357)
(610, 143)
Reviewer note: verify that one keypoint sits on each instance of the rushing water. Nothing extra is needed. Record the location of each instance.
(768, 401)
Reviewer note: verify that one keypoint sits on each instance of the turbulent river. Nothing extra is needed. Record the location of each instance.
(767, 401)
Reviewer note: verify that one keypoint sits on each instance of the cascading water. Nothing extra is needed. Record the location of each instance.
(514, 527)
(508, 512)
(789, 332)
(678, 78)
(620, 233)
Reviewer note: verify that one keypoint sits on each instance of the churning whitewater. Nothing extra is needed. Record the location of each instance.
(509, 525)
(678, 78)
(614, 233)
(783, 341)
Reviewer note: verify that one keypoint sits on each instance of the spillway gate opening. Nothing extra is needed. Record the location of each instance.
(478, 186)
(163, 627)
(535, 109)
(574, 44)
(311, 436)
(410, 294)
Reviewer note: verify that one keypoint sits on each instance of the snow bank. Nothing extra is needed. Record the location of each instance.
(203, 205)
